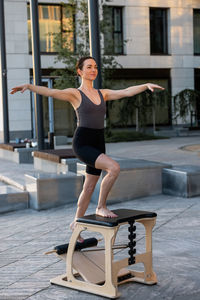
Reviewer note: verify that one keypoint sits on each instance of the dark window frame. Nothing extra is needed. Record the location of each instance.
(165, 42)
(61, 23)
(194, 11)
(197, 87)
(121, 32)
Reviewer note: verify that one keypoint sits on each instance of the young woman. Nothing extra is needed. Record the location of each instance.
(88, 141)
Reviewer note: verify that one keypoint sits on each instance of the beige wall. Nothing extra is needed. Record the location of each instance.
(136, 30)
(18, 64)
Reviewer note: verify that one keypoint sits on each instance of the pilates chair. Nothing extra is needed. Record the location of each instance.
(94, 270)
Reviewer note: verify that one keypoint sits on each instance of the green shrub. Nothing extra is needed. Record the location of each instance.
(128, 136)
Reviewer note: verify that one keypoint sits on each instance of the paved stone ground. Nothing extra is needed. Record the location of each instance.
(166, 151)
(25, 235)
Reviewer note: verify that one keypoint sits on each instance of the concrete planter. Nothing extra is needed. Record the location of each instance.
(47, 190)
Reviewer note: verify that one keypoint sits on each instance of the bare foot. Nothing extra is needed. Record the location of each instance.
(72, 227)
(106, 213)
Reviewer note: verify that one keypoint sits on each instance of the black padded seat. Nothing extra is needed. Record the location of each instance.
(124, 215)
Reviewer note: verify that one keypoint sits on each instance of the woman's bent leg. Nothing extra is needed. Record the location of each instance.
(112, 168)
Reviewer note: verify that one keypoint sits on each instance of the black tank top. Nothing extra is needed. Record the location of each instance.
(91, 115)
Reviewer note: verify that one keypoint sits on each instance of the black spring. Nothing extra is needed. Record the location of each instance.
(132, 243)
(131, 229)
(131, 260)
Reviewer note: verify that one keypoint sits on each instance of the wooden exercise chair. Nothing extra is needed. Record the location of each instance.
(93, 269)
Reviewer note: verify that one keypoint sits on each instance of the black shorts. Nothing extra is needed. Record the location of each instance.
(88, 144)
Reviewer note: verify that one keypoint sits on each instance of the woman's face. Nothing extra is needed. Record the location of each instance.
(89, 70)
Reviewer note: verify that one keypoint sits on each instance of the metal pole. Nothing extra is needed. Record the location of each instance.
(37, 72)
(93, 14)
(51, 110)
(51, 117)
(3, 75)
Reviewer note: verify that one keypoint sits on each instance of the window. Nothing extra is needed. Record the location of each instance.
(158, 30)
(53, 19)
(113, 30)
(197, 87)
(196, 31)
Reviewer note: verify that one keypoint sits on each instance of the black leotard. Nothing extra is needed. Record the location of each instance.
(88, 141)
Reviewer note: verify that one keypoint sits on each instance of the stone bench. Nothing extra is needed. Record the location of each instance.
(17, 153)
(137, 178)
(55, 161)
(12, 199)
(47, 190)
(12, 146)
(183, 181)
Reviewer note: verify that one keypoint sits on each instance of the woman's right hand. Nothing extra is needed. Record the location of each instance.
(20, 88)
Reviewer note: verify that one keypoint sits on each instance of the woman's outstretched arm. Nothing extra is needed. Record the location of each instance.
(129, 92)
(66, 95)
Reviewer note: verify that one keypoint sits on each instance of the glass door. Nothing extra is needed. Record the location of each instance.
(48, 110)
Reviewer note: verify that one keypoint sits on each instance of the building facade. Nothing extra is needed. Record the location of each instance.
(162, 45)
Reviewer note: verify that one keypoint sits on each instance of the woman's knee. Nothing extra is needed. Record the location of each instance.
(114, 169)
(106, 163)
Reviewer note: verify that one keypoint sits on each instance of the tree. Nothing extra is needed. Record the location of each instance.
(185, 103)
(140, 105)
(68, 50)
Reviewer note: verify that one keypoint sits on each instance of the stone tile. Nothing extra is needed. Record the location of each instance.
(26, 235)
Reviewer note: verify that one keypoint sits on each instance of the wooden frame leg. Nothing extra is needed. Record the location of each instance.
(110, 276)
(146, 258)
(109, 288)
(70, 252)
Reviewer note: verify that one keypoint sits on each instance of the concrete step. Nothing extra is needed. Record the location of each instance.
(48, 190)
(19, 155)
(15, 180)
(14, 174)
(12, 198)
(182, 181)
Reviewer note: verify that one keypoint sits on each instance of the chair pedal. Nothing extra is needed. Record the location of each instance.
(125, 277)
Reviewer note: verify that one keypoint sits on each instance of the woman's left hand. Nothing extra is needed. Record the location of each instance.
(151, 87)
